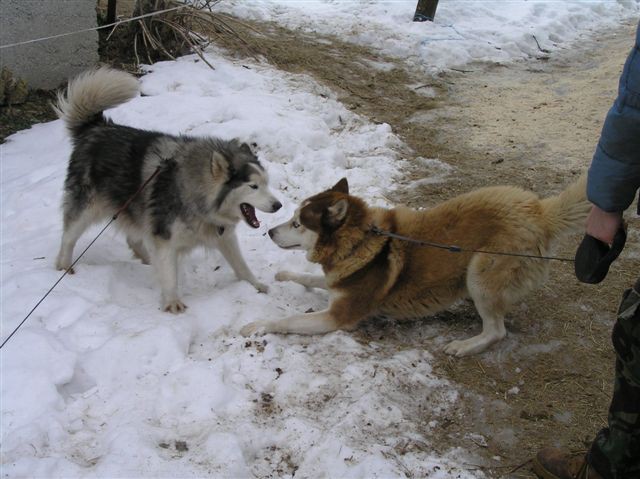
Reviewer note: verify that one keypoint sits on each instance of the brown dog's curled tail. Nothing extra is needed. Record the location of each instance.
(567, 212)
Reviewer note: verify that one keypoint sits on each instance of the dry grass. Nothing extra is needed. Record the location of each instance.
(165, 36)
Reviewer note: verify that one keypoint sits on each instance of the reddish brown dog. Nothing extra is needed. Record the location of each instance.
(368, 274)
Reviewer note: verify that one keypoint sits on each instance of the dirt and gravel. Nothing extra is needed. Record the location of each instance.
(534, 124)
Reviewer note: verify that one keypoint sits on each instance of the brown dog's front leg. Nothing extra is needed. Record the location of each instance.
(311, 323)
(306, 280)
(343, 313)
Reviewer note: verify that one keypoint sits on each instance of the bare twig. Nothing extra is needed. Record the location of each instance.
(144, 40)
(186, 38)
(172, 33)
(135, 50)
(543, 50)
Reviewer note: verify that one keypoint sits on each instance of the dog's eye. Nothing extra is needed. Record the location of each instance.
(295, 224)
(253, 187)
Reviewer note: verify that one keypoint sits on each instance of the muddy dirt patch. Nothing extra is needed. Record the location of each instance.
(533, 124)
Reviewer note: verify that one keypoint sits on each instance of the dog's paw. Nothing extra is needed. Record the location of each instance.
(261, 287)
(256, 328)
(64, 267)
(460, 348)
(284, 276)
(456, 348)
(474, 345)
(174, 307)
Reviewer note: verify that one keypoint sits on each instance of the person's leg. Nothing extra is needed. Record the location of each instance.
(615, 453)
(616, 449)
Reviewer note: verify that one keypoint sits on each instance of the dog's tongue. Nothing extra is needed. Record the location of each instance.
(249, 213)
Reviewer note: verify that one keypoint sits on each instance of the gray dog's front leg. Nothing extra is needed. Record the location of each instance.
(165, 261)
(228, 246)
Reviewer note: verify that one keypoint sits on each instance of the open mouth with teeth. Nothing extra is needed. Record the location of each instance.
(249, 214)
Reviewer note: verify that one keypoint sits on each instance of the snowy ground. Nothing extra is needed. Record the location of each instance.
(463, 31)
(99, 382)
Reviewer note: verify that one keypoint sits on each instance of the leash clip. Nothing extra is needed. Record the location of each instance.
(375, 230)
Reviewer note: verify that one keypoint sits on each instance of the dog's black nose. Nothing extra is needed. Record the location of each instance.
(271, 233)
(276, 206)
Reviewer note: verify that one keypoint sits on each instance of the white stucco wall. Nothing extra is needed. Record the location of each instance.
(50, 63)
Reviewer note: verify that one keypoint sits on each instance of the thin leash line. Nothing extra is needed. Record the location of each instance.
(138, 191)
(114, 24)
(70, 268)
(458, 249)
(66, 272)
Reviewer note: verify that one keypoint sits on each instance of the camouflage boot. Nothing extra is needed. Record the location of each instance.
(558, 464)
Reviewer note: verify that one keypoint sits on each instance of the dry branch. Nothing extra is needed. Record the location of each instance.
(167, 35)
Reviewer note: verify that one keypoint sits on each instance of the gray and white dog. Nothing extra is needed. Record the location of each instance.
(202, 189)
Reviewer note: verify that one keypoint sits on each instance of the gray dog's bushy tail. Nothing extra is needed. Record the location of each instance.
(92, 92)
(567, 212)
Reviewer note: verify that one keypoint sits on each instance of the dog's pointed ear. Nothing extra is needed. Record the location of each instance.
(341, 186)
(246, 149)
(219, 165)
(335, 214)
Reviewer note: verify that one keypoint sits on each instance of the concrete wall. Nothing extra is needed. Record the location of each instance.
(50, 63)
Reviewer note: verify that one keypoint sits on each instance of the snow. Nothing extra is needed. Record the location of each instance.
(463, 31)
(100, 383)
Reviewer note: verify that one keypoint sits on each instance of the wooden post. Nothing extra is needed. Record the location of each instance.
(111, 12)
(425, 10)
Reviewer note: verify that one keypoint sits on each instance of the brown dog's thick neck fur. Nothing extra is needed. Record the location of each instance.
(369, 274)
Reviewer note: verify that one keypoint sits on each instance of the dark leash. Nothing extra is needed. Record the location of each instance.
(70, 268)
(135, 195)
(457, 249)
(591, 264)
